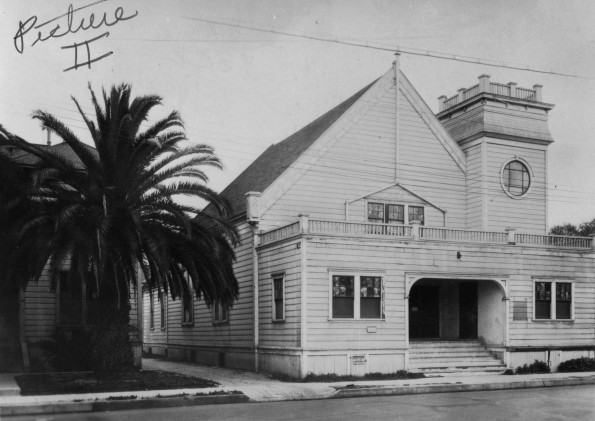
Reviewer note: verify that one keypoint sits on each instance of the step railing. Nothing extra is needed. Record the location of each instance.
(421, 233)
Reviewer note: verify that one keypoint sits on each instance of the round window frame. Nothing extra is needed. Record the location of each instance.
(529, 170)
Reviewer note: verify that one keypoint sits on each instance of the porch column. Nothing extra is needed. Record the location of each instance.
(415, 229)
(407, 332)
(511, 235)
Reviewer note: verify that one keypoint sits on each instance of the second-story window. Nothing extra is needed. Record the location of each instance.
(390, 213)
(416, 213)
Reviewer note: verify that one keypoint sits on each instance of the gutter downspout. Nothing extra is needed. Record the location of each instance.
(304, 229)
(255, 243)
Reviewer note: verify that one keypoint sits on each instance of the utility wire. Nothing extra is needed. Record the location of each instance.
(398, 49)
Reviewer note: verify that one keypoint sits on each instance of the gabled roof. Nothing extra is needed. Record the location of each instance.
(278, 157)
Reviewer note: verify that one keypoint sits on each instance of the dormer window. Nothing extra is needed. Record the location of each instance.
(516, 179)
(388, 213)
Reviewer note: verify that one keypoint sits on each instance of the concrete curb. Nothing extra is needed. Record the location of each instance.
(119, 405)
(363, 391)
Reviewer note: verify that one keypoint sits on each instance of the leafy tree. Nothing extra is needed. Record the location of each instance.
(104, 213)
(583, 230)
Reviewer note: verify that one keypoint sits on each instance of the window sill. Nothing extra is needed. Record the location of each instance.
(330, 319)
(188, 324)
(163, 329)
(221, 322)
(553, 320)
(278, 320)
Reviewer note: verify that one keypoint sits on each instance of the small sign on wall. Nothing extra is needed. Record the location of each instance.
(358, 359)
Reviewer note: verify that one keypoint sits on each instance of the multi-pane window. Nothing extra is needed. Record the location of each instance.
(370, 297)
(220, 313)
(395, 214)
(343, 298)
(543, 300)
(516, 178)
(278, 298)
(553, 300)
(563, 300)
(356, 297)
(416, 213)
(376, 212)
(188, 310)
(387, 213)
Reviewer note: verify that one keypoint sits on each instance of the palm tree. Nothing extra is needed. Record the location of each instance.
(109, 211)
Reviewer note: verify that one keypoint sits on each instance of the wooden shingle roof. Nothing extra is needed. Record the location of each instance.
(278, 157)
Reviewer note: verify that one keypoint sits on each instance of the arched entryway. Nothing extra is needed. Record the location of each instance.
(451, 309)
(456, 323)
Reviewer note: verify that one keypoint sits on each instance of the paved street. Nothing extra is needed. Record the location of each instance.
(561, 403)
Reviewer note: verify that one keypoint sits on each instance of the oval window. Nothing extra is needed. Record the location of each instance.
(515, 178)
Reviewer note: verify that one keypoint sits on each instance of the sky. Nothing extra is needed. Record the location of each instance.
(241, 90)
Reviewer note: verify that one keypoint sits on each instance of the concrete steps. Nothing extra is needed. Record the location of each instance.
(465, 357)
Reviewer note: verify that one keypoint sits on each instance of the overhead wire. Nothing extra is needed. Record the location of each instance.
(458, 181)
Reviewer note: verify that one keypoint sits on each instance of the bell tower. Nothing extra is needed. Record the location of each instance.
(503, 130)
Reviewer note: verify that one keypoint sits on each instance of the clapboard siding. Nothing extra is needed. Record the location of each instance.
(427, 168)
(352, 334)
(280, 260)
(395, 195)
(507, 262)
(362, 160)
(527, 214)
(475, 202)
(203, 332)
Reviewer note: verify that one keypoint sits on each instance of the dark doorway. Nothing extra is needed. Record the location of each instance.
(424, 311)
(468, 310)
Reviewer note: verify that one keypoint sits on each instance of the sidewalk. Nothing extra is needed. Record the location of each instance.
(258, 387)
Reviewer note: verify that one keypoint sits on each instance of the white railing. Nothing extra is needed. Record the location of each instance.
(500, 89)
(451, 102)
(553, 241)
(427, 233)
(416, 232)
(357, 228)
(471, 92)
(280, 233)
(523, 93)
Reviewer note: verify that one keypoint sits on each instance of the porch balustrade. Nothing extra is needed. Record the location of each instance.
(485, 85)
(421, 233)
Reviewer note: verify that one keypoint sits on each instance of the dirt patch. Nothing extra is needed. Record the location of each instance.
(65, 383)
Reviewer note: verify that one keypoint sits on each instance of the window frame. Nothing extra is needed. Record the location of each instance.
(529, 172)
(162, 298)
(386, 213)
(151, 311)
(187, 303)
(357, 275)
(553, 310)
(423, 214)
(274, 277)
(222, 310)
